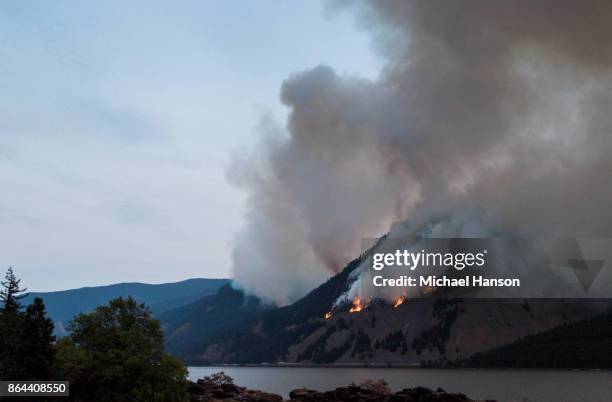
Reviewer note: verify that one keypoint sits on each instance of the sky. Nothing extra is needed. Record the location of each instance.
(119, 120)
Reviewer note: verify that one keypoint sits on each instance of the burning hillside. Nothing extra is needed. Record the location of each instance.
(320, 329)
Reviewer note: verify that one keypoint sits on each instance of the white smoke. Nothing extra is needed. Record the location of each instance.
(500, 110)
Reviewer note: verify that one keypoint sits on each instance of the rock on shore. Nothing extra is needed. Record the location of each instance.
(220, 388)
(356, 393)
(205, 390)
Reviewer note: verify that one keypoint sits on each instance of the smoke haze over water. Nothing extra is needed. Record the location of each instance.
(492, 112)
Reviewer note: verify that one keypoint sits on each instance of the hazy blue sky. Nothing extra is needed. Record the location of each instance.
(118, 121)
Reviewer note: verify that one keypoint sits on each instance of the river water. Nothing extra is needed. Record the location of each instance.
(501, 385)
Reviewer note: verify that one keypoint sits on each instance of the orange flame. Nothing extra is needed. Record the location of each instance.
(357, 306)
(328, 315)
(399, 302)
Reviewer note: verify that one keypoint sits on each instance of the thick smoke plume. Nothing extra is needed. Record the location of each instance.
(496, 112)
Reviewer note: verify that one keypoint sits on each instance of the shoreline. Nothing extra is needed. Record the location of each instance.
(221, 387)
(480, 384)
(386, 366)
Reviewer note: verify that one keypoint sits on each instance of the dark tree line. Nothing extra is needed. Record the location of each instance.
(26, 335)
(114, 353)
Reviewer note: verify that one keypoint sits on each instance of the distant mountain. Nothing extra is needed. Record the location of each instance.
(63, 305)
(210, 316)
(255, 335)
(255, 332)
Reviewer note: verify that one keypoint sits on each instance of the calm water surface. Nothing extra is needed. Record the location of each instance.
(502, 385)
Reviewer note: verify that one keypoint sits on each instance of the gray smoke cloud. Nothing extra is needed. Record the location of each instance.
(486, 111)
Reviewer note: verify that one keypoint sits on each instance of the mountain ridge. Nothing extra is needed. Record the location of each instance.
(419, 331)
(63, 305)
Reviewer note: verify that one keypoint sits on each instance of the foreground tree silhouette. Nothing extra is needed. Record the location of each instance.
(116, 353)
(11, 293)
(37, 340)
(26, 338)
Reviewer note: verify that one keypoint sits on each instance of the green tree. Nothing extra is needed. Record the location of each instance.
(116, 353)
(11, 293)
